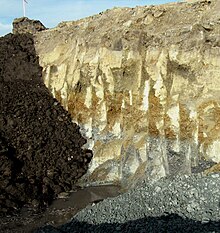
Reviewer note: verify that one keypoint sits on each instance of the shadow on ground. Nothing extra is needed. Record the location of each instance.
(167, 223)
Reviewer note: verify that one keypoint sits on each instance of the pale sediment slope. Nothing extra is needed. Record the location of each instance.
(143, 84)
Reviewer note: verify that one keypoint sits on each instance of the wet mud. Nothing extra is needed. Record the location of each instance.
(59, 212)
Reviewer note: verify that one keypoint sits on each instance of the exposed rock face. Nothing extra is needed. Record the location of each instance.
(143, 84)
(25, 25)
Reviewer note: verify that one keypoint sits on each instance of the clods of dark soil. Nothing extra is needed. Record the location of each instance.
(41, 151)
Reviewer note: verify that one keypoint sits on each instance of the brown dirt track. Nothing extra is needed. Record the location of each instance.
(40, 148)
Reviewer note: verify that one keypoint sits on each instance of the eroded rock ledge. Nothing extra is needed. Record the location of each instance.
(143, 84)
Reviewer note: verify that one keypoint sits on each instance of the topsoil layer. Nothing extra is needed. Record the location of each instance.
(40, 148)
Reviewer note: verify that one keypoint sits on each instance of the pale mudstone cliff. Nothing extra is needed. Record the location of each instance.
(143, 84)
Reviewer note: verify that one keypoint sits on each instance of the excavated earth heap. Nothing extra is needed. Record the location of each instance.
(41, 151)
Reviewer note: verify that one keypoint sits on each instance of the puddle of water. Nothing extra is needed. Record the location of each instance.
(63, 209)
(81, 198)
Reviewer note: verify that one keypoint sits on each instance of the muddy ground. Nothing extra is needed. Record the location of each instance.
(40, 147)
(59, 212)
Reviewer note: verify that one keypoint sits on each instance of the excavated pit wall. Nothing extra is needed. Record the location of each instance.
(143, 84)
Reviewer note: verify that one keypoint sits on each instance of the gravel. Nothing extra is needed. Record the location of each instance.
(180, 204)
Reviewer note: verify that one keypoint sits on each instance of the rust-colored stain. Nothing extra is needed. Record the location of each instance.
(131, 116)
(209, 123)
(114, 103)
(186, 124)
(58, 96)
(155, 113)
(76, 107)
(168, 131)
(213, 169)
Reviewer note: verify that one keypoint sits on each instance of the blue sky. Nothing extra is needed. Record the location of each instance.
(51, 12)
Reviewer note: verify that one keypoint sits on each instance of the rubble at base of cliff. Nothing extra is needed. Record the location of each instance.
(182, 204)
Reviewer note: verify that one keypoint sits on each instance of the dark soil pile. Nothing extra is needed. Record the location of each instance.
(25, 25)
(40, 148)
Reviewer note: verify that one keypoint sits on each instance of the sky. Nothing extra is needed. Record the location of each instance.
(52, 12)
